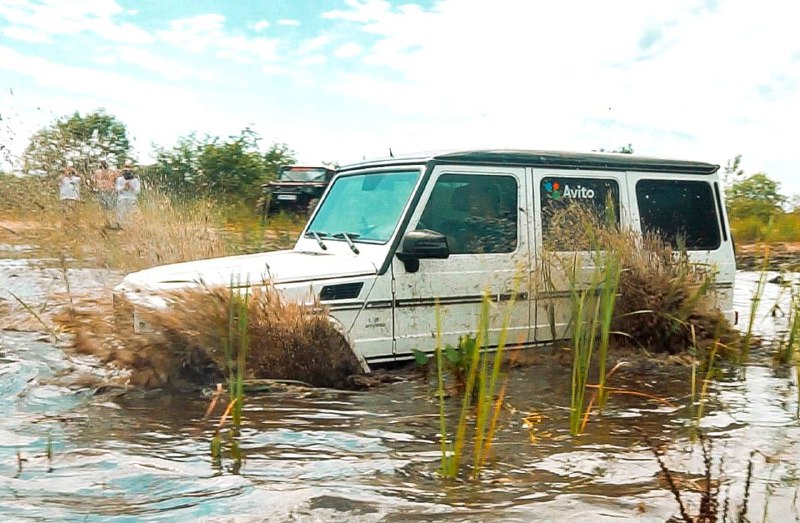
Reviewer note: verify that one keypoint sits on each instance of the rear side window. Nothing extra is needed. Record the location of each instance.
(571, 207)
(682, 212)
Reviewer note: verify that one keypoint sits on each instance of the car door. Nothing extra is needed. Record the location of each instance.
(481, 212)
(568, 205)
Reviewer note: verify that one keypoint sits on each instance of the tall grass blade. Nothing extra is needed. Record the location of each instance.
(440, 392)
(744, 354)
(608, 298)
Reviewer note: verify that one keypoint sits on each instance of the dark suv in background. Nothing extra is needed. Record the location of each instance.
(297, 190)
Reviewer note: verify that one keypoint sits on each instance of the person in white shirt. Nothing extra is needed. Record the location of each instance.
(127, 187)
(69, 190)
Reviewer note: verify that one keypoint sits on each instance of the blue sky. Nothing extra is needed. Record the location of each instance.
(338, 80)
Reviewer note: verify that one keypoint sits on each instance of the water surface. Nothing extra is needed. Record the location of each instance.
(326, 455)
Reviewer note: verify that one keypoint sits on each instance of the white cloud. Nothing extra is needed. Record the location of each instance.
(26, 34)
(207, 33)
(694, 79)
(152, 111)
(260, 25)
(314, 44)
(675, 81)
(361, 11)
(194, 34)
(155, 63)
(57, 17)
(106, 86)
(314, 59)
(348, 50)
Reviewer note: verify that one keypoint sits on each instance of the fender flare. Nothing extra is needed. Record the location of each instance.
(337, 325)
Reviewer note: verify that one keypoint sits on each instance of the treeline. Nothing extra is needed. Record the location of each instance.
(757, 209)
(232, 170)
(229, 170)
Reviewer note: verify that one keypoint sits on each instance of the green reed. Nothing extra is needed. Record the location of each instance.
(706, 381)
(584, 334)
(440, 392)
(792, 350)
(792, 340)
(747, 339)
(49, 452)
(592, 309)
(608, 298)
(480, 396)
(235, 346)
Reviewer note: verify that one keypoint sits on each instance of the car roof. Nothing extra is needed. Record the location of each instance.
(536, 158)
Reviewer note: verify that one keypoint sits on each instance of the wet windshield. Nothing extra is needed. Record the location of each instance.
(364, 207)
(303, 175)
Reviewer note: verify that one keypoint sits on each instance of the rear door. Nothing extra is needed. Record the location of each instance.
(569, 206)
(687, 211)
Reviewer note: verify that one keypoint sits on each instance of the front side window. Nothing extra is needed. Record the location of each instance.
(573, 209)
(682, 212)
(365, 207)
(477, 213)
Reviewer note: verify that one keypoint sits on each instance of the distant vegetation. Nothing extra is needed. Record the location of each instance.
(231, 170)
(198, 199)
(757, 209)
(225, 169)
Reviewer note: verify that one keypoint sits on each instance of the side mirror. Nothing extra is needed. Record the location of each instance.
(423, 244)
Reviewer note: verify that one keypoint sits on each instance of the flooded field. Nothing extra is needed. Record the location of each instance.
(71, 453)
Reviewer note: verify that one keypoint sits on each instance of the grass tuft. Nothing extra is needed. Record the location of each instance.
(185, 343)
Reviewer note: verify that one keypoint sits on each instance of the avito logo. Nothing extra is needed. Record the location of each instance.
(555, 191)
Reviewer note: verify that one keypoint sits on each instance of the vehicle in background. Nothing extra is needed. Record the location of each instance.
(297, 190)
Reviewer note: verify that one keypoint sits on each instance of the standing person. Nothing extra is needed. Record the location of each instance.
(69, 190)
(104, 181)
(127, 187)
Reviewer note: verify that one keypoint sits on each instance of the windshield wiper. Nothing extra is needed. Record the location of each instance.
(348, 237)
(317, 236)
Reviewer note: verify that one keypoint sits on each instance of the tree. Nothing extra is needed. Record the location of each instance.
(224, 169)
(756, 196)
(625, 149)
(733, 171)
(279, 155)
(176, 168)
(81, 141)
(794, 204)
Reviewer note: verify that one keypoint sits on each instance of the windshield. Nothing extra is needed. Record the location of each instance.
(365, 207)
(303, 175)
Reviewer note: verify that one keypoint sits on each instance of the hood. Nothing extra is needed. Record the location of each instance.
(279, 267)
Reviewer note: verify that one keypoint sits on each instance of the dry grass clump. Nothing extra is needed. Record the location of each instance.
(575, 227)
(160, 231)
(192, 342)
(664, 302)
(21, 195)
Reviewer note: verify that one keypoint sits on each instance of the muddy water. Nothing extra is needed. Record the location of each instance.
(324, 455)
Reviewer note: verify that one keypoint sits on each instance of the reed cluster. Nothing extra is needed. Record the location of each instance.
(480, 385)
(627, 289)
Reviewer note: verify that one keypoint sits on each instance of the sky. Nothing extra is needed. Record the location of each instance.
(343, 80)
